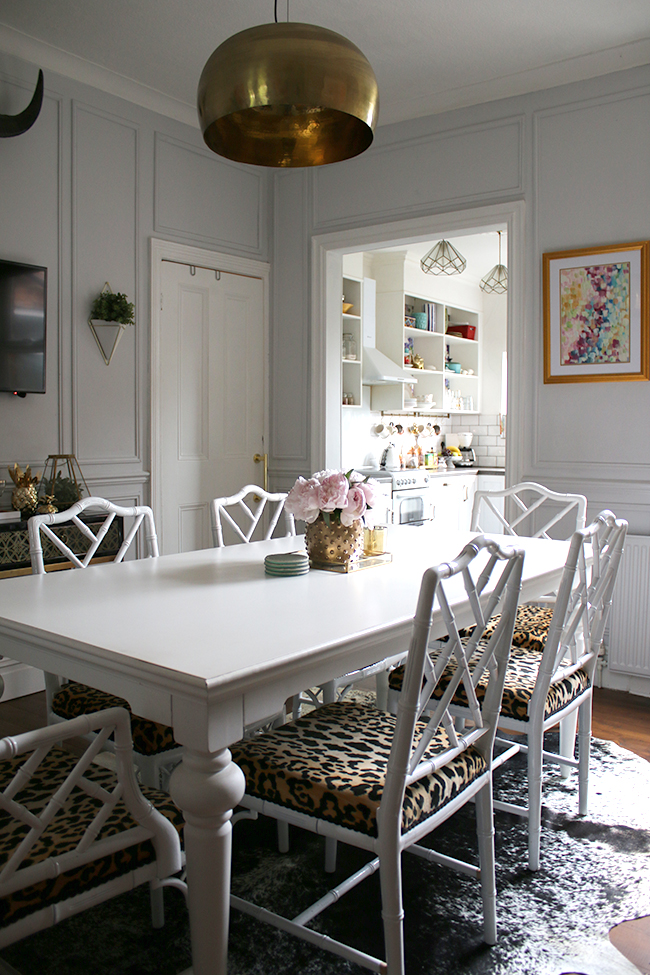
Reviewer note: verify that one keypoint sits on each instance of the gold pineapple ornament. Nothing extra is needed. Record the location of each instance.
(24, 496)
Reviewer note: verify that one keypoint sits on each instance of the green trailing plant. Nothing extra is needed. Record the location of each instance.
(109, 307)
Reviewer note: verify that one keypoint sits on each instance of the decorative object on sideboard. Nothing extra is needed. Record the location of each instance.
(11, 125)
(287, 95)
(62, 483)
(24, 497)
(495, 281)
(109, 316)
(443, 258)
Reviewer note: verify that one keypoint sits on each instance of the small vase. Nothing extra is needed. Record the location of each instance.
(334, 544)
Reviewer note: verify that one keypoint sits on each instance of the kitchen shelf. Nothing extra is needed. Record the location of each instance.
(351, 324)
(394, 338)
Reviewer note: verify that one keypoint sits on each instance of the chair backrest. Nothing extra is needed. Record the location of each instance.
(247, 510)
(530, 509)
(491, 578)
(582, 605)
(55, 812)
(39, 528)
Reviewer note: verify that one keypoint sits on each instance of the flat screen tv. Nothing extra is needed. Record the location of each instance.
(23, 303)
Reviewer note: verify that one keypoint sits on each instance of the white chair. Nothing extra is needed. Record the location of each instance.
(74, 834)
(533, 510)
(552, 679)
(381, 783)
(545, 688)
(252, 508)
(530, 509)
(155, 750)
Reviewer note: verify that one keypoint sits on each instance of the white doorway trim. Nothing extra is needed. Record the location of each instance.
(165, 250)
(327, 251)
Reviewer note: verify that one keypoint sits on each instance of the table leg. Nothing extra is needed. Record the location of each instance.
(206, 787)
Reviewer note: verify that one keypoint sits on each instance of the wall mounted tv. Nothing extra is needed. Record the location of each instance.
(23, 303)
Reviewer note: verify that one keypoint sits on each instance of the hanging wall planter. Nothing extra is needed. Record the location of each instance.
(109, 317)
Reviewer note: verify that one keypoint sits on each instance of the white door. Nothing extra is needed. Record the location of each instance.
(211, 396)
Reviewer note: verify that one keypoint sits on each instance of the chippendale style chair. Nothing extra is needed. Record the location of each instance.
(380, 783)
(552, 678)
(250, 506)
(155, 751)
(533, 510)
(74, 834)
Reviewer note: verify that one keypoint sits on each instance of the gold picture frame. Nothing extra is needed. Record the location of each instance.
(597, 314)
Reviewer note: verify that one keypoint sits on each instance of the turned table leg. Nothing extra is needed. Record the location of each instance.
(206, 787)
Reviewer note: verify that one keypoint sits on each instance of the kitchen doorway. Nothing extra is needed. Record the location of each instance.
(327, 269)
(209, 386)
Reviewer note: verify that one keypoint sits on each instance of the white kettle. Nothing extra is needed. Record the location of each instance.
(390, 458)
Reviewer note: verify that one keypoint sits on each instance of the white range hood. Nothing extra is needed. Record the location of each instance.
(376, 368)
(379, 370)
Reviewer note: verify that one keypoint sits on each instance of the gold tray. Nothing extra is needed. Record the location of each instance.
(364, 562)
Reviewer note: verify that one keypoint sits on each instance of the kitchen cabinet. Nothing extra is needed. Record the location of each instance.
(453, 498)
(430, 345)
(489, 521)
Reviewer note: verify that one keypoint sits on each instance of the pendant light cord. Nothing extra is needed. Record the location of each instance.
(275, 11)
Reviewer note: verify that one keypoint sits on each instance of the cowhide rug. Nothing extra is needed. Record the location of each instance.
(595, 873)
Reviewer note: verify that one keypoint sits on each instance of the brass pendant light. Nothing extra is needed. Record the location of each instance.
(287, 94)
(495, 281)
(443, 258)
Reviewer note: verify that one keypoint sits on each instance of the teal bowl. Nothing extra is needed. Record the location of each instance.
(453, 366)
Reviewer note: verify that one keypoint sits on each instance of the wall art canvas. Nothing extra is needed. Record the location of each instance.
(596, 314)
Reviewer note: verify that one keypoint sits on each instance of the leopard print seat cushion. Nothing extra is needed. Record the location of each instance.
(521, 676)
(64, 833)
(531, 626)
(332, 764)
(149, 737)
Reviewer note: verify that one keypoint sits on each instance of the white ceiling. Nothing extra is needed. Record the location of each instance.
(429, 55)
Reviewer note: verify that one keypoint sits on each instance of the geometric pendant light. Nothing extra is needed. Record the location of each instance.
(289, 95)
(443, 258)
(496, 281)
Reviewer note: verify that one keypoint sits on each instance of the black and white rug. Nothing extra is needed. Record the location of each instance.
(595, 873)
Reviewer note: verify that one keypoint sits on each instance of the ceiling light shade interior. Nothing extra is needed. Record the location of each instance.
(495, 281)
(288, 95)
(443, 258)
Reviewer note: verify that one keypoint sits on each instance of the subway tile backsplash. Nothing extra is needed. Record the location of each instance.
(489, 441)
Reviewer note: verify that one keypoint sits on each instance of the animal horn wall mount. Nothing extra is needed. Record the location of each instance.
(17, 124)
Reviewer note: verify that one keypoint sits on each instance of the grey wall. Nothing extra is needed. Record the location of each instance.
(577, 156)
(83, 192)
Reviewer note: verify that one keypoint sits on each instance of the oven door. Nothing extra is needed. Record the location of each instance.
(412, 507)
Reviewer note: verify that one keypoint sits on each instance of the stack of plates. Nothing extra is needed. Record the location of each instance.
(287, 564)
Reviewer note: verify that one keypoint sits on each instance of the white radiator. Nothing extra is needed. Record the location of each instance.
(629, 625)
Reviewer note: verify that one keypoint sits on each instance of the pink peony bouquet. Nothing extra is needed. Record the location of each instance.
(335, 495)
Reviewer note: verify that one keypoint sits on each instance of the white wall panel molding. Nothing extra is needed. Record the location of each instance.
(290, 334)
(33, 231)
(589, 187)
(202, 198)
(424, 174)
(106, 425)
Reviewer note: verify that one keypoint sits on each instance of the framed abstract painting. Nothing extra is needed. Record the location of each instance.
(597, 314)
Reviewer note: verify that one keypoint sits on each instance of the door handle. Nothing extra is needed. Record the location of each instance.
(263, 459)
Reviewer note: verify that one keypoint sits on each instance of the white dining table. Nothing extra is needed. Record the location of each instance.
(207, 643)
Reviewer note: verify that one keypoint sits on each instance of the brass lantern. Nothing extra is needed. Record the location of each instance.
(286, 94)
